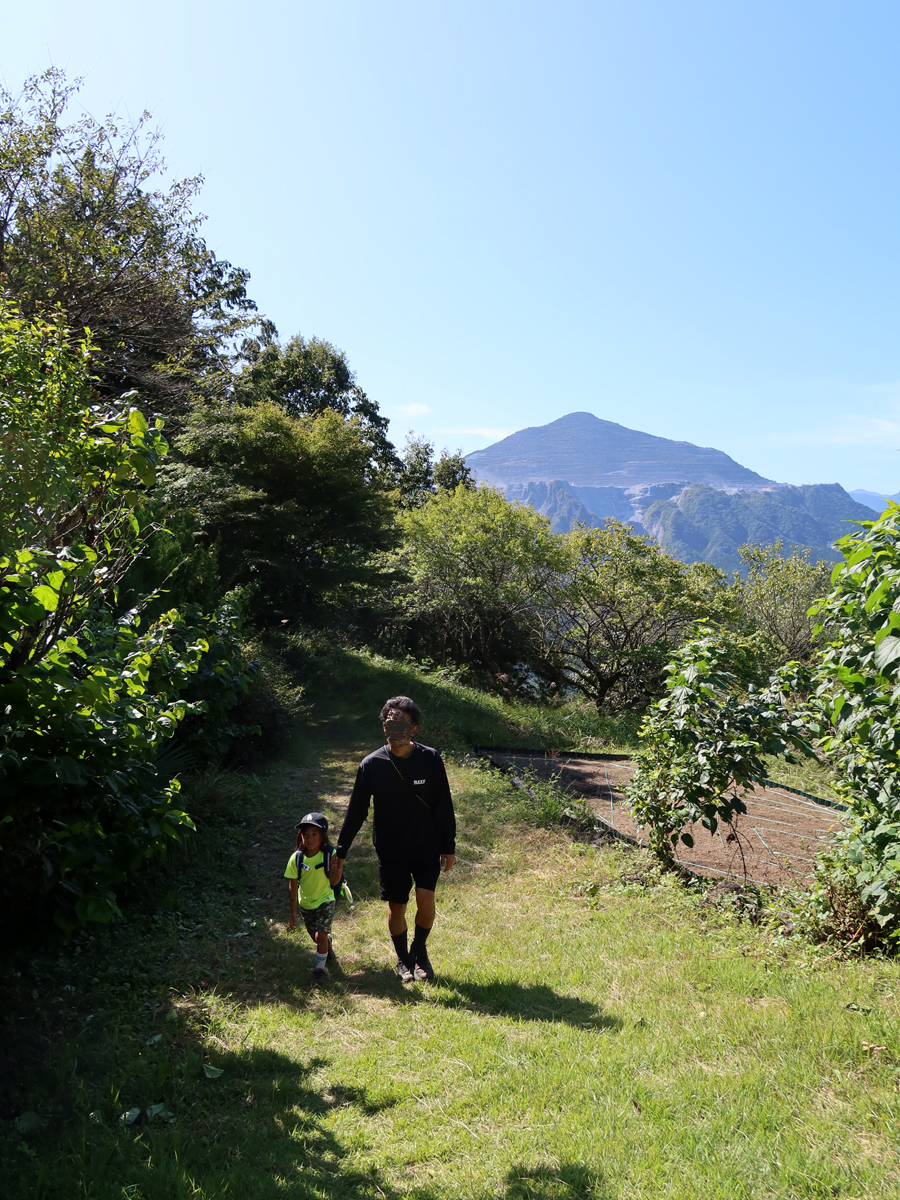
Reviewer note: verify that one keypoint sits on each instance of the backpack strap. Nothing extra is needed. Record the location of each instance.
(409, 785)
(298, 862)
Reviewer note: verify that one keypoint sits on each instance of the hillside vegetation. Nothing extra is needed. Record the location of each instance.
(587, 1036)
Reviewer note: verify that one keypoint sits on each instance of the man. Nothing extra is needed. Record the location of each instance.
(413, 828)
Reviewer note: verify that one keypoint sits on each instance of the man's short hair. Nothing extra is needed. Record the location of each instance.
(405, 705)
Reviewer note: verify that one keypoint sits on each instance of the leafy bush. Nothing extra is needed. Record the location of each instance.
(703, 742)
(87, 700)
(83, 800)
(857, 707)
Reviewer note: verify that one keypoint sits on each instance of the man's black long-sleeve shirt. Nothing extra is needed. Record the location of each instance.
(413, 815)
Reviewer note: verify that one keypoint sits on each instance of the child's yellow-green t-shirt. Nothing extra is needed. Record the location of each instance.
(315, 887)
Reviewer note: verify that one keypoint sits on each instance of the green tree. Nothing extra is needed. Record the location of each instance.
(775, 598)
(307, 377)
(288, 501)
(82, 227)
(479, 569)
(622, 608)
(416, 470)
(421, 476)
(451, 472)
(86, 700)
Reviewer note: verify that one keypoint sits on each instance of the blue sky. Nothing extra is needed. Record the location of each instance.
(682, 216)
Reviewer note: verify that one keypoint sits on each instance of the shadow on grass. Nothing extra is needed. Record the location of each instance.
(567, 1182)
(497, 998)
(264, 1128)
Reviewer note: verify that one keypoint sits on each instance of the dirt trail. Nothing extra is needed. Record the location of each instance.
(774, 842)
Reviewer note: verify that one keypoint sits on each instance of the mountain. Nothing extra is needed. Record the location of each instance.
(703, 524)
(873, 500)
(556, 501)
(585, 451)
(696, 501)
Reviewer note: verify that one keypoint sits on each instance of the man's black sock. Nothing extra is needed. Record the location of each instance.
(420, 937)
(399, 940)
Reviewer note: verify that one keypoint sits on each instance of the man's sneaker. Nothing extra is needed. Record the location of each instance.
(404, 971)
(318, 976)
(424, 969)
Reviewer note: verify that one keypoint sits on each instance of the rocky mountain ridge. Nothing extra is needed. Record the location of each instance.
(696, 501)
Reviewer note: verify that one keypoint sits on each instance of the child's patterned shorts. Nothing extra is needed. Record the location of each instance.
(319, 920)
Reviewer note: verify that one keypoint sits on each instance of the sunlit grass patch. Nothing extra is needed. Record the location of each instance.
(586, 1036)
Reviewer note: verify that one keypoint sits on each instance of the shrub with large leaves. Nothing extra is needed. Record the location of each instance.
(86, 701)
(857, 705)
(704, 742)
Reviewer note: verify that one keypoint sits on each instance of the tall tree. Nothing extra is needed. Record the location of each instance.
(288, 501)
(309, 376)
(479, 570)
(776, 596)
(417, 470)
(84, 228)
(451, 472)
(421, 476)
(622, 607)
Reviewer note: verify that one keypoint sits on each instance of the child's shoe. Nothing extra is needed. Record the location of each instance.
(318, 976)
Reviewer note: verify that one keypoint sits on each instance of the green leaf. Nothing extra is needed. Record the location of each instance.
(129, 1117)
(688, 840)
(886, 652)
(137, 422)
(143, 468)
(46, 597)
(212, 1072)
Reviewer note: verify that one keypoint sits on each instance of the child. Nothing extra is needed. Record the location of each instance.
(313, 870)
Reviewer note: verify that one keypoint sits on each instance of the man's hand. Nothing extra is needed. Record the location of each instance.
(336, 870)
(447, 861)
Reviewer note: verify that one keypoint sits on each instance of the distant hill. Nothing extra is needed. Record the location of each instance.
(696, 501)
(586, 451)
(702, 524)
(873, 500)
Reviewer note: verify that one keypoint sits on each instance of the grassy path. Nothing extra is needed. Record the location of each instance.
(632, 1044)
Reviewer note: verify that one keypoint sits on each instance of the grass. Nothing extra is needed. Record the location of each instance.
(807, 774)
(585, 1037)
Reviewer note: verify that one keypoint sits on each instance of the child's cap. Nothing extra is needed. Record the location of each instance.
(319, 820)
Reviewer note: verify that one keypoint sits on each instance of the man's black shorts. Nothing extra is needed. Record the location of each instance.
(396, 879)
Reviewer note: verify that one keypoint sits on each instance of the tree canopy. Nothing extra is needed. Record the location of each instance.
(84, 227)
(306, 377)
(623, 606)
(288, 500)
(479, 568)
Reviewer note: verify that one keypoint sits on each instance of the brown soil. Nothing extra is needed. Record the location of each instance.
(774, 842)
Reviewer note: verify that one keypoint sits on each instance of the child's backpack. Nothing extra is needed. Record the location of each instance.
(340, 888)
